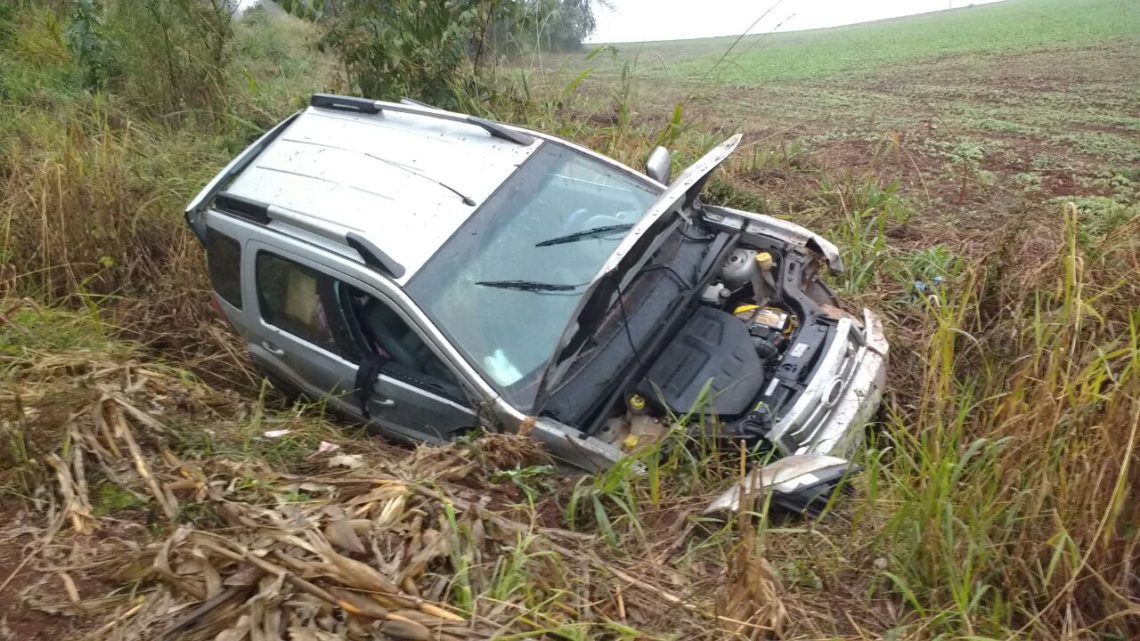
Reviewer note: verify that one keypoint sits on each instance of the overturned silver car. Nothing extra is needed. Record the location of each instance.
(432, 272)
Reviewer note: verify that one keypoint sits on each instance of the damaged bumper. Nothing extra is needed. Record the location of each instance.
(841, 397)
(825, 425)
(801, 483)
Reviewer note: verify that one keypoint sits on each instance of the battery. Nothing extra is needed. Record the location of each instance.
(771, 317)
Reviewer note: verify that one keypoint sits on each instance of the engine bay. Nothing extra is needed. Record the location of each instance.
(743, 355)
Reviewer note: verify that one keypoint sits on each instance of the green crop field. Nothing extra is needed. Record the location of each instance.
(975, 32)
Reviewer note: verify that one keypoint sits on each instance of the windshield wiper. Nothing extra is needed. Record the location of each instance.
(596, 232)
(528, 285)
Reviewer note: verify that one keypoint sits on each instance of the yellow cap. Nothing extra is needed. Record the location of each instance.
(764, 259)
(744, 309)
(636, 402)
(630, 442)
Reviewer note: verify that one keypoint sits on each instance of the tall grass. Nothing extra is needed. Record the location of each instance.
(93, 180)
(1012, 480)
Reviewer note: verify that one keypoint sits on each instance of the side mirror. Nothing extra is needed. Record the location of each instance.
(659, 167)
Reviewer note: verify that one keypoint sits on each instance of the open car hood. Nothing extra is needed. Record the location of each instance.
(637, 246)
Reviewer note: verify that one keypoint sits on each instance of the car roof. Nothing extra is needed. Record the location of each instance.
(378, 175)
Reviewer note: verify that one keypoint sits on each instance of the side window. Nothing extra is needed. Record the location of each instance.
(295, 299)
(223, 258)
(381, 331)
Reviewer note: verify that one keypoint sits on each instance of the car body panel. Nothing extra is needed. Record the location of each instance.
(414, 414)
(379, 175)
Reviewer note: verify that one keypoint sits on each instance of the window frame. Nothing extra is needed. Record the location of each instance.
(452, 389)
(212, 235)
(344, 326)
(339, 345)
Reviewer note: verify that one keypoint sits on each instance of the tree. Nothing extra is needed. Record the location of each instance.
(568, 24)
(436, 49)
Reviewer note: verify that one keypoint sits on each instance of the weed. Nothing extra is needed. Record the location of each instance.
(512, 572)
(1098, 218)
(110, 499)
(785, 156)
(609, 499)
(31, 327)
(1029, 180)
(1003, 127)
(731, 193)
(533, 480)
(964, 162)
(1103, 145)
(865, 209)
(931, 265)
(461, 554)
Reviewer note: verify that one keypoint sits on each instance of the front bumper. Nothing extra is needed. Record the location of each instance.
(844, 393)
(824, 426)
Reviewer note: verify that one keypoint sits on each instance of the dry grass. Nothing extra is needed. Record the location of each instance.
(349, 543)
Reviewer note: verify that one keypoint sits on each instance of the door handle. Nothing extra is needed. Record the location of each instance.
(272, 349)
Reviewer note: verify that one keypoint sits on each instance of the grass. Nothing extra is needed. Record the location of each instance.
(989, 215)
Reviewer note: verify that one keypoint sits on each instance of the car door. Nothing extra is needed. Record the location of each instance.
(308, 332)
(415, 395)
(296, 335)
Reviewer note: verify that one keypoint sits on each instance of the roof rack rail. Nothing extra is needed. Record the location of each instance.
(345, 103)
(416, 103)
(373, 256)
(363, 105)
(263, 213)
(248, 208)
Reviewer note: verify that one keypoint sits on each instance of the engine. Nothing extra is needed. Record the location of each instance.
(739, 357)
(713, 349)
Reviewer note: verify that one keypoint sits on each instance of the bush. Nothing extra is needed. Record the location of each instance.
(173, 53)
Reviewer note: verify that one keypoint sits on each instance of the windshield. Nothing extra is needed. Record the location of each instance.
(504, 286)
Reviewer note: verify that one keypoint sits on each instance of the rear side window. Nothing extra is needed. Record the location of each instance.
(296, 299)
(223, 258)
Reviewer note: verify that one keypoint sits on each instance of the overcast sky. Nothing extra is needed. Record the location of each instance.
(637, 20)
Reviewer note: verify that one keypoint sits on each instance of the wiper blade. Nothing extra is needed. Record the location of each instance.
(527, 285)
(596, 232)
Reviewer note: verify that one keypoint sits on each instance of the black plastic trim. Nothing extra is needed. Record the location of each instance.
(363, 105)
(499, 131)
(373, 256)
(344, 103)
(245, 207)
